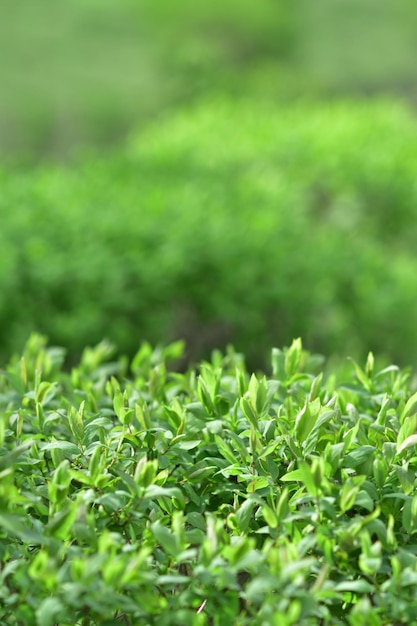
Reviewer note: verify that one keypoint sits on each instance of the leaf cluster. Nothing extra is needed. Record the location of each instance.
(132, 494)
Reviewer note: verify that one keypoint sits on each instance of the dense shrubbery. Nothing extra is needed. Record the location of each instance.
(233, 223)
(135, 495)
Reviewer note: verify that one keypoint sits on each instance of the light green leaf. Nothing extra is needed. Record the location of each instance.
(269, 516)
(355, 586)
(244, 514)
(9, 459)
(409, 407)
(75, 418)
(165, 538)
(60, 524)
(408, 427)
(47, 613)
(64, 446)
(293, 358)
(295, 475)
(225, 450)
(249, 411)
(407, 443)
(306, 419)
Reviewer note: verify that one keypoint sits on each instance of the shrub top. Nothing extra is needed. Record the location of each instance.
(133, 494)
(238, 223)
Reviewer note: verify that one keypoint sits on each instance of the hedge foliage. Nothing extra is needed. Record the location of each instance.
(238, 223)
(132, 494)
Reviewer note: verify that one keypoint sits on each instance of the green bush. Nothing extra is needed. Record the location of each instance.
(132, 494)
(231, 223)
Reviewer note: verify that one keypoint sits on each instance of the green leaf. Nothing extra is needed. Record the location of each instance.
(407, 443)
(312, 476)
(15, 526)
(269, 516)
(249, 412)
(225, 450)
(295, 475)
(173, 579)
(258, 482)
(45, 392)
(293, 358)
(370, 364)
(312, 438)
(244, 514)
(143, 416)
(362, 376)
(95, 462)
(253, 390)
(354, 586)
(130, 483)
(64, 446)
(257, 394)
(2, 429)
(282, 504)
(389, 451)
(409, 516)
(380, 471)
(49, 611)
(239, 446)
(278, 364)
(348, 497)
(80, 477)
(173, 351)
(269, 450)
(76, 422)
(408, 427)
(197, 520)
(370, 550)
(306, 419)
(183, 444)
(174, 493)
(146, 471)
(410, 407)
(119, 406)
(205, 397)
(165, 538)
(364, 500)
(316, 387)
(60, 524)
(359, 455)
(113, 501)
(8, 460)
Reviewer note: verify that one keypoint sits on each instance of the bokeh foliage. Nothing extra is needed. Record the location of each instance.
(105, 67)
(259, 213)
(234, 222)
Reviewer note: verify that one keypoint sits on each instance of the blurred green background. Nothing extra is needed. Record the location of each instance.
(228, 172)
(83, 73)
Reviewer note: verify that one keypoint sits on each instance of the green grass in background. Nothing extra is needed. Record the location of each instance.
(232, 222)
(83, 73)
